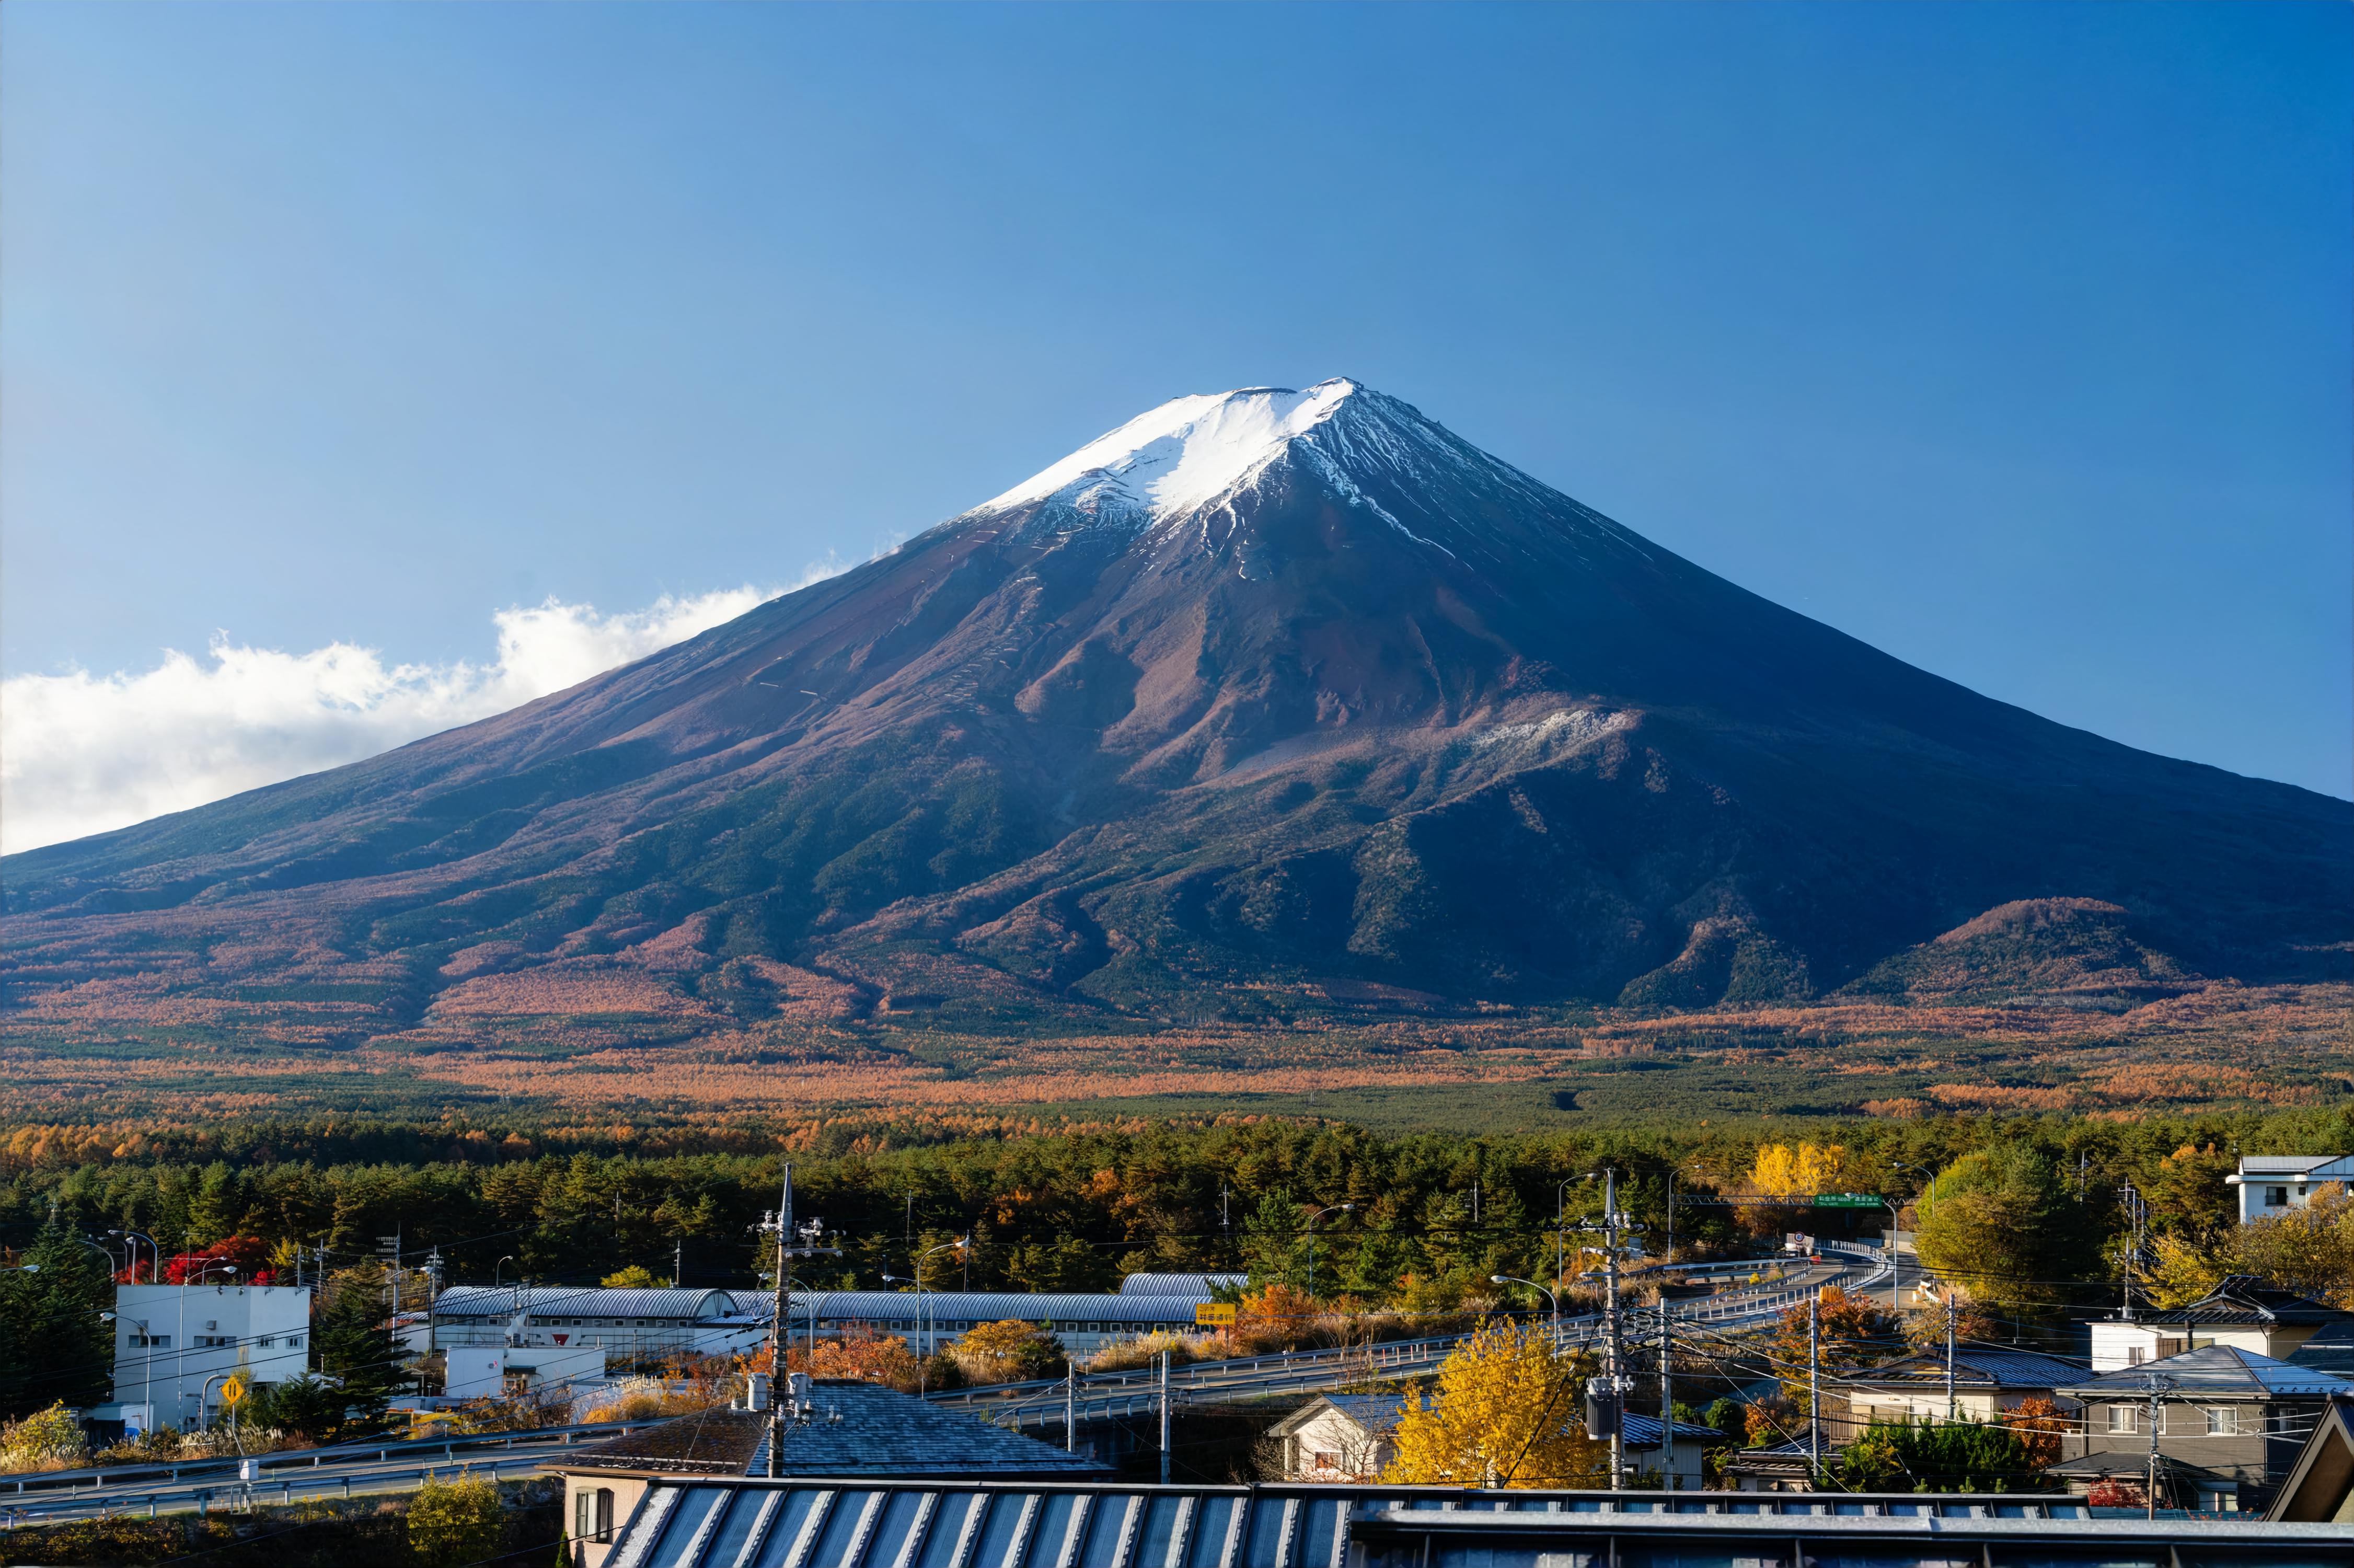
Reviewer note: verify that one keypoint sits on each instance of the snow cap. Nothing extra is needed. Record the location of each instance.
(1187, 451)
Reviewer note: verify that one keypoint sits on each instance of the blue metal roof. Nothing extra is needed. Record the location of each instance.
(690, 1305)
(880, 1520)
(1124, 1314)
(1197, 1285)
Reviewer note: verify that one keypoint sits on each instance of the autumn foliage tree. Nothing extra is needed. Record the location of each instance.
(1849, 1331)
(1503, 1415)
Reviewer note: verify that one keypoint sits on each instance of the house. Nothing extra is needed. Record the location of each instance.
(176, 1346)
(2274, 1183)
(2244, 1312)
(2320, 1485)
(2230, 1424)
(831, 1428)
(1340, 1437)
(1351, 1438)
(1985, 1382)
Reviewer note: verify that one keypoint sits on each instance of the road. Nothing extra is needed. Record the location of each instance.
(1039, 1406)
(297, 1476)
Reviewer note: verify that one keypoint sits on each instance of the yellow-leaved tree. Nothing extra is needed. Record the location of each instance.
(1782, 1171)
(1504, 1415)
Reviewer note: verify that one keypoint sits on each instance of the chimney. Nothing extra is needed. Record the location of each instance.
(755, 1392)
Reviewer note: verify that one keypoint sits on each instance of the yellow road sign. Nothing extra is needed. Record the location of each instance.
(232, 1391)
(1215, 1314)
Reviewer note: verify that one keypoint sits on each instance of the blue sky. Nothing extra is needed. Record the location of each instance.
(2014, 340)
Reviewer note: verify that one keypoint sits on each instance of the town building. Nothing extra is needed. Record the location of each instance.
(1985, 1383)
(2242, 1313)
(1353, 1437)
(2271, 1184)
(855, 1431)
(2229, 1425)
(1197, 1286)
(175, 1346)
(936, 1319)
(551, 1333)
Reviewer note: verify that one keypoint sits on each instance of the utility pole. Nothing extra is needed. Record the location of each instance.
(808, 1236)
(677, 1261)
(2138, 1212)
(1226, 1225)
(1667, 1394)
(1070, 1406)
(1952, 1406)
(1164, 1418)
(1610, 1317)
(2159, 1383)
(1815, 1387)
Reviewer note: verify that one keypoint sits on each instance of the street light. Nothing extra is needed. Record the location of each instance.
(924, 1305)
(1329, 1209)
(155, 1254)
(1549, 1296)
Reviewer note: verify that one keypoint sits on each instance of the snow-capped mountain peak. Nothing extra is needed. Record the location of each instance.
(1187, 451)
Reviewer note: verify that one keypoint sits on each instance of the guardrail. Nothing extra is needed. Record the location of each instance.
(1043, 1402)
(97, 1476)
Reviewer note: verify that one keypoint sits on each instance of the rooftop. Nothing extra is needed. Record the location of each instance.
(2251, 1299)
(885, 1520)
(2214, 1371)
(1974, 1369)
(856, 1428)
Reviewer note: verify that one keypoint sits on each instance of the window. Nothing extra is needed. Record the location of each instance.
(1323, 1461)
(2171, 1347)
(2136, 1355)
(592, 1515)
(2124, 1418)
(2275, 1197)
(264, 1342)
(294, 1341)
(2222, 1421)
(147, 1341)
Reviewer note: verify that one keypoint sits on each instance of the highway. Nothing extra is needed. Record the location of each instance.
(304, 1474)
(1042, 1405)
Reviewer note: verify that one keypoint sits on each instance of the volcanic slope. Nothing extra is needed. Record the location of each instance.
(1262, 692)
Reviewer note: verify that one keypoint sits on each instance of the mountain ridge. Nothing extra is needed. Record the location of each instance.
(1265, 688)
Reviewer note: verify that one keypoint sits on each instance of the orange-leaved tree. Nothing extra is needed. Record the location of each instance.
(1504, 1415)
(1850, 1331)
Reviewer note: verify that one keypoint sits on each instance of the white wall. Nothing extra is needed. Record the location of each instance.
(196, 1333)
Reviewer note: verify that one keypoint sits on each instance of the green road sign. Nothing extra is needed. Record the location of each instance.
(1846, 1200)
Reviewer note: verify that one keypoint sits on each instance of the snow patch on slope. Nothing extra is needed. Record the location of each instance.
(1187, 451)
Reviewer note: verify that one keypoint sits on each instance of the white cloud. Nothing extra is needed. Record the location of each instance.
(82, 753)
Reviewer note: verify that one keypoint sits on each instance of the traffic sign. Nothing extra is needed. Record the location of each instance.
(1846, 1200)
(233, 1390)
(1214, 1314)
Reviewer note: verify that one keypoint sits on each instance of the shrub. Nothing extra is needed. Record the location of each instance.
(451, 1523)
(1010, 1351)
(47, 1439)
(866, 1357)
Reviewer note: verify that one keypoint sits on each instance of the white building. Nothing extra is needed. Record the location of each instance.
(174, 1345)
(2274, 1183)
(2242, 1313)
(555, 1335)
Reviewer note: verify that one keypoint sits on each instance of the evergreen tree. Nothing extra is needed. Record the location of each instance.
(352, 1330)
(54, 1346)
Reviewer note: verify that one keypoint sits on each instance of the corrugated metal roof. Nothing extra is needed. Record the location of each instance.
(2213, 1371)
(1128, 1312)
(682, 1306)
(1197, 1286)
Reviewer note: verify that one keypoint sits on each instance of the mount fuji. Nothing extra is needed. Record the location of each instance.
(1263, 693)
